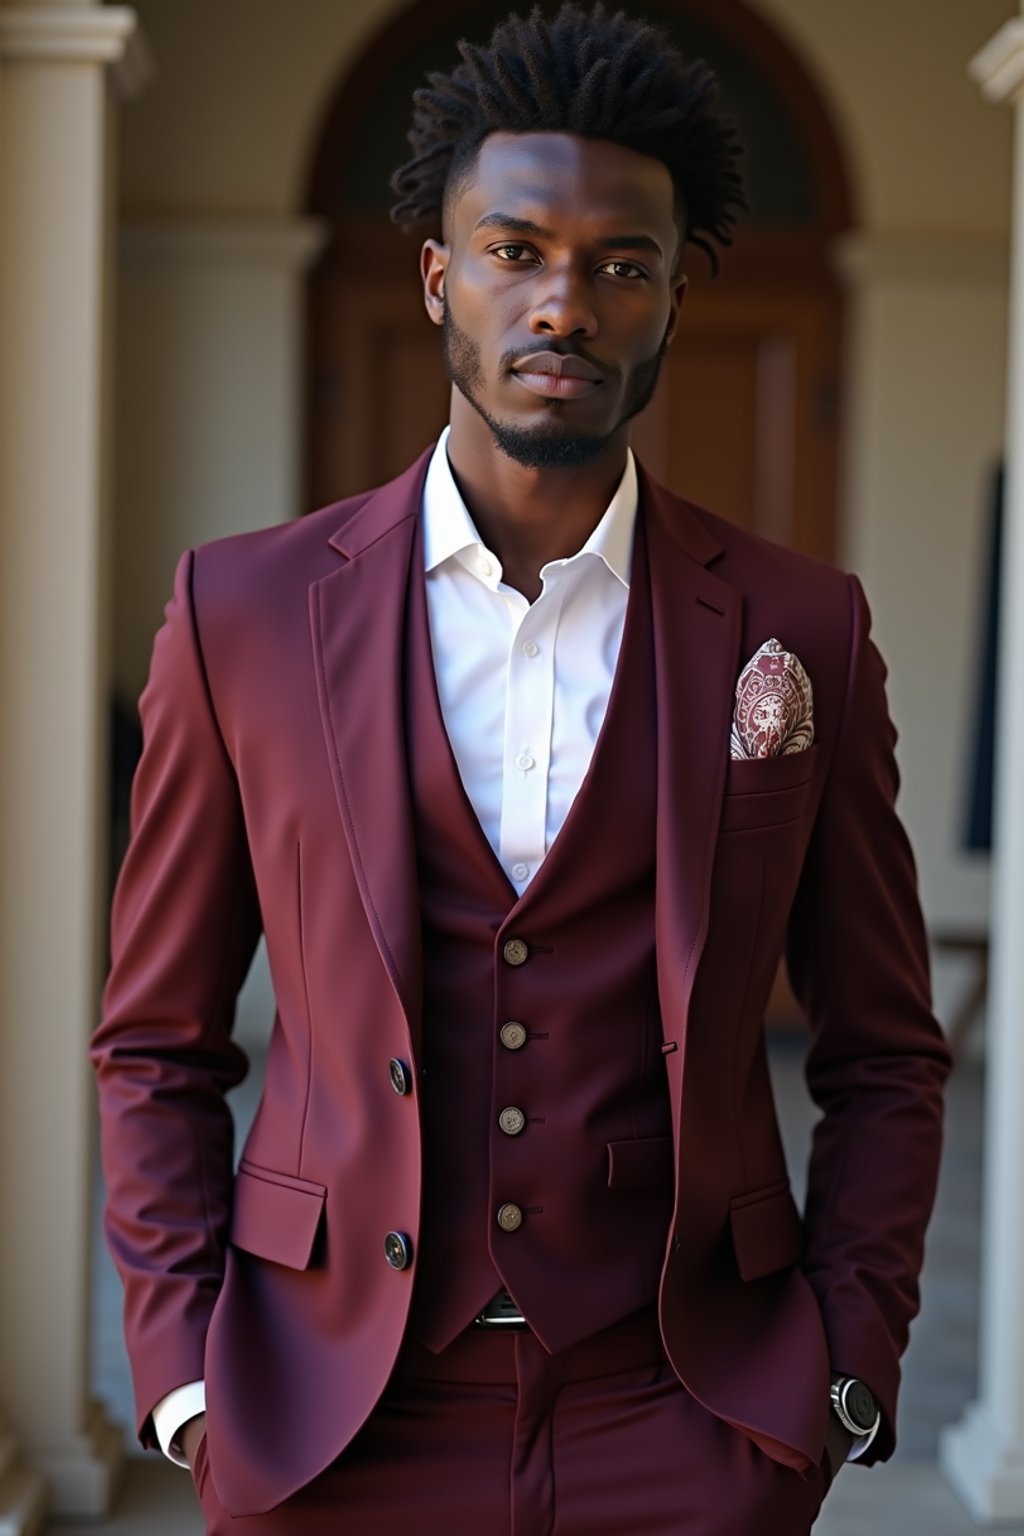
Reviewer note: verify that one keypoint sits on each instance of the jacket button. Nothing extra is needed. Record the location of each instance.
(510, 1217)
(401, 1082)
(515, 951)
(398, 1250)
(513, 1035)
(511, 1120)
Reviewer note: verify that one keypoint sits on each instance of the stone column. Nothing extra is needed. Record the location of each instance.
(983, 1455)
(56, 212)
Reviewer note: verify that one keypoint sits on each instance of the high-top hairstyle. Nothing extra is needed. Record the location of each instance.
(592, 73)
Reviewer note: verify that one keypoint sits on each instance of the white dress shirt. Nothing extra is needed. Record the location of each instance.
(523, 687)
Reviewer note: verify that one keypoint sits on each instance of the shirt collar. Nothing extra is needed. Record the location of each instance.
(448, 528)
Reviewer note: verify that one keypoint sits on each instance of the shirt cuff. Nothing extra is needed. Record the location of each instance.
(173, 1412)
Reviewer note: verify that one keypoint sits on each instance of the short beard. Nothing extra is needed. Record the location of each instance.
(551, 445)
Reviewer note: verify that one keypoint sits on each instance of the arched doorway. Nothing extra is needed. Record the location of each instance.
(746, 418)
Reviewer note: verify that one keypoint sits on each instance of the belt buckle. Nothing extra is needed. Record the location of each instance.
(501, 1312)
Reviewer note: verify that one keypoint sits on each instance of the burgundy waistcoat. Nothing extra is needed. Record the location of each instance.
(591, 1169)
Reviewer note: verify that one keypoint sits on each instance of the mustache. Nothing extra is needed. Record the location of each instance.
(509, 359)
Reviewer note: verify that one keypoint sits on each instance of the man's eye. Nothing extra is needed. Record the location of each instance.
(626, 269)
(499, 248)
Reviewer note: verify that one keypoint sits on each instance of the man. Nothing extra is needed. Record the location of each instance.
(530, 773)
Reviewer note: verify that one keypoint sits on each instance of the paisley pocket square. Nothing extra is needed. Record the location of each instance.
(774, 712)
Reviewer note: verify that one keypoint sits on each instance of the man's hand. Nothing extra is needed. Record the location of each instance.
(190, 1437)
(838, 1441)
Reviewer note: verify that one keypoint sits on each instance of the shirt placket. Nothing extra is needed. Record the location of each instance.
(529, 716)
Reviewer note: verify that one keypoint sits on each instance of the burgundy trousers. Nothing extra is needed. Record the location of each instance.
(495, 1437)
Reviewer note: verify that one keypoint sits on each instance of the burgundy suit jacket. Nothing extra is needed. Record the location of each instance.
(272, 793)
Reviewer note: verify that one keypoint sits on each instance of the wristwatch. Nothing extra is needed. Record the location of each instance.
(854, 1405)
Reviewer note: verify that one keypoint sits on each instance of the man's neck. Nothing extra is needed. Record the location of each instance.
(530, 516)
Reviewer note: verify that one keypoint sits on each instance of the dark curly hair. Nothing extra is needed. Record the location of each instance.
(592, 73)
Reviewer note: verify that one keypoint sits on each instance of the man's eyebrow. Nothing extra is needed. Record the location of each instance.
(510, 221)
(518, 226)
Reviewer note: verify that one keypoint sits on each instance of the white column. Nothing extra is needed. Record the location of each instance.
(209, 399)
(55, 256)
(983, 1455)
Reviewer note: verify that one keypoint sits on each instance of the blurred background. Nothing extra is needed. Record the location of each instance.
(208, 324)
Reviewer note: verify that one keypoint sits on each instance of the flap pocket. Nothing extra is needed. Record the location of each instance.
(766, 1230)
(275, 1216)
(643, 1163)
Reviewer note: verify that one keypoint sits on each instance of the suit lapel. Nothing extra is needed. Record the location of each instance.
(358, 618)
(697, 620)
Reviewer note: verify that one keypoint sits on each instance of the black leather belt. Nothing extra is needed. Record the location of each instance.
(501, 1312)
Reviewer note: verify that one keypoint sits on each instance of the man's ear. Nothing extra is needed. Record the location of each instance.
(680, 283)
(433, 265)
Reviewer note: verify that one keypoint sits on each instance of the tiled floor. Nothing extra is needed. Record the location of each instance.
(899, 1499)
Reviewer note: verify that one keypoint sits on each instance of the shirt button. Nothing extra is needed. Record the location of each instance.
(484, 567)
(398, 1250)
(525, 761)
(513, 1035)
(520, 871)
(515, 951)
(401, 1082)
(512, 1120)
(510, 1217)
(531, 649)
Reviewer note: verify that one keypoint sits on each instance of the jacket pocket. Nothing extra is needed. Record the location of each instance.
(275, 1216)
(766, 1230)
(766, 791)
(642, 1163)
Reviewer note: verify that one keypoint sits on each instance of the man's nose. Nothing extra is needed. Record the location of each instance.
(563, 306)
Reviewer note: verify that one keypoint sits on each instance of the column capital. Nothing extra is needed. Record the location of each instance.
(999, 66)
(76, 34)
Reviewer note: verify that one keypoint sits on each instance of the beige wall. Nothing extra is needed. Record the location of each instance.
(226, 132)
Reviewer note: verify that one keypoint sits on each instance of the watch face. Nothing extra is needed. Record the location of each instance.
(859, 1402)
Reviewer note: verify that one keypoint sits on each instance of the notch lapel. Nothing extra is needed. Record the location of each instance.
(697, 623)
(358, 616)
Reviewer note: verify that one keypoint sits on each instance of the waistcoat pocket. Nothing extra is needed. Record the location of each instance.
(643, 1163)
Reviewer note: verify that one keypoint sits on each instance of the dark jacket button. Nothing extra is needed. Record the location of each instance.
(398, 1250)
(515, 951)
(401, 1081)
(513, 1035)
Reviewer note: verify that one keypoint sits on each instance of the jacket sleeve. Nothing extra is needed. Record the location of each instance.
(858, 960)
(184, 925)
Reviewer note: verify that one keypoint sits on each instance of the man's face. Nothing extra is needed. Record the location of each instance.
(559, 255)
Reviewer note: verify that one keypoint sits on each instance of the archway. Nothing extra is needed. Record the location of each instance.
(746, 419)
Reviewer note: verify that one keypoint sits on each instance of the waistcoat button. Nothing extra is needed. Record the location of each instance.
(515, 951)
(510, 1217)
(398, 1250)
(511, 1120)
(513, 1035)
(401, 1082)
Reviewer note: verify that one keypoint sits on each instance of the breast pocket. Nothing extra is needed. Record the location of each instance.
(767, 791)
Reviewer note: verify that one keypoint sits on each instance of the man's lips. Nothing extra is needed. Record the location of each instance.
(558, 377)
